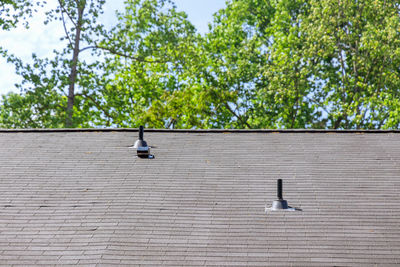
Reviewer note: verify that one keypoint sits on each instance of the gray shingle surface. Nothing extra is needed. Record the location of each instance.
(84, 198)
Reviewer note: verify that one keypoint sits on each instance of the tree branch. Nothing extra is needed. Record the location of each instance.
(240, 118)
(113, 51)
(66, 12)
(65, 28)
(171, 123)
(96, 104)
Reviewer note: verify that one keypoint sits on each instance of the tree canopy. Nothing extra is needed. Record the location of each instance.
(262, 64)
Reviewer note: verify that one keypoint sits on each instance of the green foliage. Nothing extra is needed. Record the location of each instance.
(255, 52)
(353, 48)
(52, 81)
(148, 80)
(234, 54)
(13, 11)
(40, 108)
(263, 64)
(306, 64)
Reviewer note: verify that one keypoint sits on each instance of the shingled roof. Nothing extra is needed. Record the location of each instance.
(84, 198)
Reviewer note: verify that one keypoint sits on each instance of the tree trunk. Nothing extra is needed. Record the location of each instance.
(73, 74)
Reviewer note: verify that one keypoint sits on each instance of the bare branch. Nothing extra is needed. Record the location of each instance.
(65, 30)
(66, 12)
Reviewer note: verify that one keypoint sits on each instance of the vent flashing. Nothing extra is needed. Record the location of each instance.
(280, 204)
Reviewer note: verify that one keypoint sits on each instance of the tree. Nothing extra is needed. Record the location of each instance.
(59, 77)
(263, 64)
(256, 58)
(35, 109)
(143, 80)
(234, 53)
(353, 48)
(148, 79)
(306, 64)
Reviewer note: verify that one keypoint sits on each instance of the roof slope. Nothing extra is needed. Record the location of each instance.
(85, 198)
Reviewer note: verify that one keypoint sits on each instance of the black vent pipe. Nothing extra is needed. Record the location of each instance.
(279, 189)
(279, 204)
(141, 131)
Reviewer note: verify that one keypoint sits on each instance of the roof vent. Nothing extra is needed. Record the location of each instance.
(143, 150)
(280, 204)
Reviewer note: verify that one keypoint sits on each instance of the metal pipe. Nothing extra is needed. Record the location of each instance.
(141, 130)
(280, 189)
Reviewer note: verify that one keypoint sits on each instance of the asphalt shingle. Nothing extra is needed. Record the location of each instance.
(84, 198)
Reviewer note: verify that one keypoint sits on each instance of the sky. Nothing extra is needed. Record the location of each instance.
(41, 40)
